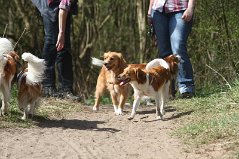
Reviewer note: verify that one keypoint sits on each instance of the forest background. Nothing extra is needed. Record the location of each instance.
(121, 25)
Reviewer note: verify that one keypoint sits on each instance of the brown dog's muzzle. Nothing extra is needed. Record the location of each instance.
(108, 66)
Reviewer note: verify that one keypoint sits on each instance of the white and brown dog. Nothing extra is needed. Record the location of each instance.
(8, 70)
(153, 81)
(29, 84)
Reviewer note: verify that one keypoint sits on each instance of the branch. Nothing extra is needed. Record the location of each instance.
(220, 75)
(20, 37)
(5, 31)
(104, 21)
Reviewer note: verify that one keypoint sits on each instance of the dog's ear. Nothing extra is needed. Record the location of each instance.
(174, 68)
(14, 55)
(122, 62)
(140, 75)
(105, 55)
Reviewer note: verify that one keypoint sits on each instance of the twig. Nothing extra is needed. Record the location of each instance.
(5, 30)
(220, 75)
(20, 37)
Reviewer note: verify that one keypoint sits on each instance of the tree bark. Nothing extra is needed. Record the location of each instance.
(142, 27)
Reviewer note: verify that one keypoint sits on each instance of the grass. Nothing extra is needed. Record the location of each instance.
(214, 118)
(51, 108)
(13, 119)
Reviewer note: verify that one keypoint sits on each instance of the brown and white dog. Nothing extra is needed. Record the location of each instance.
(29, 84)
(8, 69)
(112, 66)
(153, 81)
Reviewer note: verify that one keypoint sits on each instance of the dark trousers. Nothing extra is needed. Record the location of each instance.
(57, 61)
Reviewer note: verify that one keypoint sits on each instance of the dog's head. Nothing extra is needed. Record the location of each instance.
(13, 60)
(14, 55)
(12, 64)
(132, 73)
(173, 61)
(114, 60)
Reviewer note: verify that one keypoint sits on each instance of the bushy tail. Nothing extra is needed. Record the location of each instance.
(97, 62)
(157, 62)
(5, 46)
(36, 68)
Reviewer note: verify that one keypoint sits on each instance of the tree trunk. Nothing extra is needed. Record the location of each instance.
(142, 27)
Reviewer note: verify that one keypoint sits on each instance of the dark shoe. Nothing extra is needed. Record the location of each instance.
(50, 92)
(187, 95)
(69, 95)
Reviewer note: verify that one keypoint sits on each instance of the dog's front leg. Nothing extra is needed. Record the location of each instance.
(5, 100)
(100, 88)
(32, 109)
(123, 98)
(25, 113)
(97, 101)
(115, 101)
(136, 103)
(3, 109)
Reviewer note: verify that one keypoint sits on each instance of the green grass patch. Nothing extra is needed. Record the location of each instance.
(49, 108)
(104, 100)
(214, 117)
(13, 119)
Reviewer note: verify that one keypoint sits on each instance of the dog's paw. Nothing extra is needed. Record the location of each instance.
(119, 112)
(115, 109)
(130, 118)
(24, 117)
(3, 113)
(160, 117)
(95, 109)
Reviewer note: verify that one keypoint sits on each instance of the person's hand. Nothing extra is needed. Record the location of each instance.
(188, 14)
(60, 42)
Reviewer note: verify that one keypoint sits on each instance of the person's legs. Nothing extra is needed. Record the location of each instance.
(179, 31)
(49, 55)
(64, 61)
(64, 66)
(65, 74)
(161, 27)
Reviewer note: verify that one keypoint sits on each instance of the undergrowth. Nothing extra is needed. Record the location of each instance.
(213, 117)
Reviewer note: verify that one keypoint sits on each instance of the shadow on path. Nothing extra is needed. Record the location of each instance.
(72, 124)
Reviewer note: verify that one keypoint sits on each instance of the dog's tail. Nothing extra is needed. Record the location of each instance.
(97, 62)
(36, 68)
(5, 46)
(157, 62)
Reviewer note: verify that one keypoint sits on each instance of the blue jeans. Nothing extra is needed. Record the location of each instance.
(62, 59)
(172, 33)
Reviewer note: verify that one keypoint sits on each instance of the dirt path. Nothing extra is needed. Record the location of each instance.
(102, 135)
